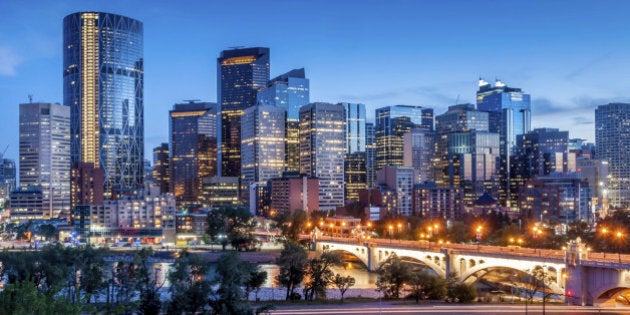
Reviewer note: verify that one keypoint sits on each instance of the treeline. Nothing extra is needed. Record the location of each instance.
(60, 280)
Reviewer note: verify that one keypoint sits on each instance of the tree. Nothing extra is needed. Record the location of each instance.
(256, 280)
(393, 274)
(319, 274)
(536, 282)
(189, 289)
(235, 223)
(343, 284)
(463, 293)
(291, 224)
(23, 298)
(292, 264)
(418, 282)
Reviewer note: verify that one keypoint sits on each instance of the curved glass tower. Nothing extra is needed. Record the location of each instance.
(103, 85)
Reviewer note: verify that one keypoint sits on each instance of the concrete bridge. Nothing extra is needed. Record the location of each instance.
(580, 276)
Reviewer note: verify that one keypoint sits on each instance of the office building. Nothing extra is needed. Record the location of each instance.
(419, 152)
(399, 181)
(45, 155)
(220, 191)
(539, 153)
(293, 192)
(322, 150)
(262, 149)
(193, 149)
(241, 72)
(161, 169)
(433, 202)
(27, 203)
(355, 167)
(86, 185)
(509, 111)
(103, 80)
(370, 155)
(612, 141)
(392, 122)
(289, 91)
(7, 180)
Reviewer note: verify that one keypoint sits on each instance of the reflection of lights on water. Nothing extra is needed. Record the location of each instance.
(349, 266)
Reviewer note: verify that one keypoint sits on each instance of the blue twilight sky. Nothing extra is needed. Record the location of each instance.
(569, 55)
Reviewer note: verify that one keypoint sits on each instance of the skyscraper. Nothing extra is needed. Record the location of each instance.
(541, 152)
(370, 155)
(241, 73)
(355, 163)
(289, 91)
(612, 141)
(510, 115)
(161, 169)
(103, 79)
(193, 149)
(262, 149)
(322, 150)
(7, 179)
(45, 155)
(392, 122)
(419, 151)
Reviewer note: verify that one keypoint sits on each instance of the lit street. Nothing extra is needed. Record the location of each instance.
(395, 308)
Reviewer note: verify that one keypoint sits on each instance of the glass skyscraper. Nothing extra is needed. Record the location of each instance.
(612, 141)
(289, 91)
(262, 149)
(355, 163)
(392, 122)
(510, 115)
(370, 155)
(322, 150)
(45, 155)
(103, 79)
(241, 73)
(193, 149)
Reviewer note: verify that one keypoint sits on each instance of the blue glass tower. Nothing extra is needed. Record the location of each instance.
(289, 91)
(103, 79)
(510, 115)
(355, 163)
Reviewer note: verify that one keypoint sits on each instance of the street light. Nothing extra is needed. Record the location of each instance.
(479, 231)
(619, 237)
(391, 232)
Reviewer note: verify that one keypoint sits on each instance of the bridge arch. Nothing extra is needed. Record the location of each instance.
(433, 261)
(481, 270)
(611, 294)
(360, 252)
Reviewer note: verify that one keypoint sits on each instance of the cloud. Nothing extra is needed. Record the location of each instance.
(587, 66)
(579, 120)
(8, 61)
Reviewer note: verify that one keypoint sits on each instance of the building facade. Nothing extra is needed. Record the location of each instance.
(322, 150)
(45, 154)
(400, 181)
(509, 111)
(612, 141)
(263, 147)
(392, 122)
(289, 91)
(193, 149)
(293, 192)
(103, 80)
(161, 169)
(241, 73)
(355, 168)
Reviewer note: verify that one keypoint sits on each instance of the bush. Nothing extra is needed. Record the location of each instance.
(463, 293)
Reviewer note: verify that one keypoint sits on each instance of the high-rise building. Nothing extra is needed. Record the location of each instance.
(7, 180)
(161, 169)
(540, 152)
(241, 73)
(45, 155)
(556, 198)
(293, 192)
(392, 122)
(612, 141)
(103, 79)
(509, 111)
(431, 201)
(400, 181)
(193, 149)
(370, 155)
(289, 91)
(322, 150)
(418, 152)
(355, 162)
(262, 149)
(86, 184)
(466, 153)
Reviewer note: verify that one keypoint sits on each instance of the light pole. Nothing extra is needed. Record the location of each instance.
(391, 232)
(619, 236)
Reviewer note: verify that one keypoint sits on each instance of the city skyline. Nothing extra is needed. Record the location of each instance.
(379, 54)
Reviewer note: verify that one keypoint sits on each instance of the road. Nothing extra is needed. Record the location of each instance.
(387, 308)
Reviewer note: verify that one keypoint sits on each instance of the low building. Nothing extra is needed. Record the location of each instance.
(220, 191)
(27, 203)
(430, 201)
(293, 192)
(149, 218)
(191, 225)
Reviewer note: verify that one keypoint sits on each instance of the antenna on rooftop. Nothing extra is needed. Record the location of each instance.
(457, 100)
(30, 98)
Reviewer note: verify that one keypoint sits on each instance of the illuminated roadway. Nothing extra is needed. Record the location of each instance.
(373, 308)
